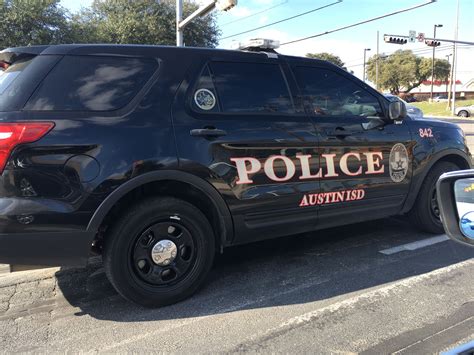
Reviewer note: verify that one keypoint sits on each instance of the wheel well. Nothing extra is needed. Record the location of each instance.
(170, 188)
(456, 159)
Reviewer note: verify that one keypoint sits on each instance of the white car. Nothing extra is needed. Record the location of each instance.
(412, 111)
(440, 98)
(464, 111)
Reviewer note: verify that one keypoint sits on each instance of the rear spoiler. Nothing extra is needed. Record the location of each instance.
(10, 55)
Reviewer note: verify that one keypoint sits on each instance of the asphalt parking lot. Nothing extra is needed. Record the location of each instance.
(374, 287)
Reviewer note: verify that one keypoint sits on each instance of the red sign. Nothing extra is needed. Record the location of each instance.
(440, 82)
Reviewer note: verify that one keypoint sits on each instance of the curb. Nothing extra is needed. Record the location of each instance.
(22, 277)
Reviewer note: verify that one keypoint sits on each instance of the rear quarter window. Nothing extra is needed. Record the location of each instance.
(92, 83)
(20, 79)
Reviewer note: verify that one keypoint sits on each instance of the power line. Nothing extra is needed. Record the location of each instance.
(359, 23)
(255, 14)
(283, 20)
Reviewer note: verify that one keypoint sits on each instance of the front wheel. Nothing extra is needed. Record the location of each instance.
(425, 213)
(159, 252)
(463, 113)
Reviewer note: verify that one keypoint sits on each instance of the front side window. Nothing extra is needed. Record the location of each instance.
(331, 94)
(250, 88)
(92, 83)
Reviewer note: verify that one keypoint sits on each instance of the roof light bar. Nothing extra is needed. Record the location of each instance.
(257, 43)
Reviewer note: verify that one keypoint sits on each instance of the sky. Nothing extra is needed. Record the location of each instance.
(348, 44)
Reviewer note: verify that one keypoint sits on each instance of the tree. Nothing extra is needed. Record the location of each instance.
(334, 59)
(403, 70)
(32, 22)
(28, 22)
(141, 22)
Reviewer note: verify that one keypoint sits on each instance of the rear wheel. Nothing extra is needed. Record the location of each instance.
(425, 213)
(463, 113)
(159, 252)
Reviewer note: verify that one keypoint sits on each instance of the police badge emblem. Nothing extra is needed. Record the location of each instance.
(398, 162)
(205, 99)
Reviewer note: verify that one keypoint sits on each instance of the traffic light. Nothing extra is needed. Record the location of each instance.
(395, 40)
(431, 43)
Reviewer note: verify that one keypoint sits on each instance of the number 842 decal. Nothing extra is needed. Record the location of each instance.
(425, 132)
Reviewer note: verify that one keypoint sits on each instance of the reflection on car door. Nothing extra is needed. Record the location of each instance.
(254, 159)
(358, 151)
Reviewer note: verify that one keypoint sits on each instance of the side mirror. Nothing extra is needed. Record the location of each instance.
(397, 110)
(456, 203)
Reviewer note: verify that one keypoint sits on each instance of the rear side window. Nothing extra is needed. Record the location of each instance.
(20, 79)
(251, 88)
(92, 83)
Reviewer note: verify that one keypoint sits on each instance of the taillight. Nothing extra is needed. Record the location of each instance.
(13, 134)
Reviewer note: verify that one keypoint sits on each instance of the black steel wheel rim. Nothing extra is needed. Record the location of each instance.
(434, 207)
(142, 264)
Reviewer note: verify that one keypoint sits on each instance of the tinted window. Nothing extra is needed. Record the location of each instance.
(204, 96)
(251, 88)
(20, 79)
(331, 94)
(92, 83)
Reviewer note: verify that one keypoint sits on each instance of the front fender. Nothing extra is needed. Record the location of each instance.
(452, 154)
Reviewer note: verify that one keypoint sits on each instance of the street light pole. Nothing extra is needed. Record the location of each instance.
(179, 18)
(433, 62)
(363, 74)
(203, 10)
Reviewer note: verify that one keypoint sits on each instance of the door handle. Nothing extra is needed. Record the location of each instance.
(207, 132)
(339, 132)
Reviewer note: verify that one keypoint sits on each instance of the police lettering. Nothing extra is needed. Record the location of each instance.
(248, 166)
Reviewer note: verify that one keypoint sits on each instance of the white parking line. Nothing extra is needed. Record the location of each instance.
(373, 295)
(415, 245)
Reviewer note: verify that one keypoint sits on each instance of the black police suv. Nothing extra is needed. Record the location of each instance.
(159, 157)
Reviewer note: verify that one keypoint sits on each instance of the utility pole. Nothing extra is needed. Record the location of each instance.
(363, 74)
(447, 80)
(433, 62)
(451, 77)
(377, 64)
(455, 60)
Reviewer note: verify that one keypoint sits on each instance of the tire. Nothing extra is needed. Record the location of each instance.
(130, 264)
(463, 113)
(423, 214)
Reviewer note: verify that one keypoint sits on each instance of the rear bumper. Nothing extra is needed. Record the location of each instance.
(52, 249)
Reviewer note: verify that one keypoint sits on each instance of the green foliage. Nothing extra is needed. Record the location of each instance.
(30, 22)
(403, 70)
(142, 22)
(334, 59)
